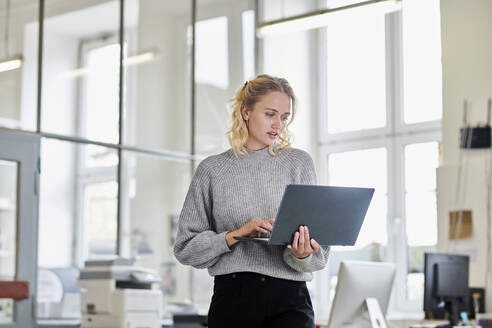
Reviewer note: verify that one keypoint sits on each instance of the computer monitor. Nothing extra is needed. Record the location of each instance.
(356, 282)
(445, 286)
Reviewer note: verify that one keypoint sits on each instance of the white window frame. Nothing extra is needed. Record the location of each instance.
(85, 176)
(394, 137)
(401, 303)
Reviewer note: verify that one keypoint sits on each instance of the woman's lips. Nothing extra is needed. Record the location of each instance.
(272, 135)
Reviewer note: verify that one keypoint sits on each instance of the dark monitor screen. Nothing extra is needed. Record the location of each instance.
(446, 277)
(451, 279)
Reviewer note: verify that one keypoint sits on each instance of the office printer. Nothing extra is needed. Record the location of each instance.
(115, 293)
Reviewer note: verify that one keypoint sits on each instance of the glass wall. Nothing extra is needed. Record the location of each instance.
(78, 203)
(277, 9)
(223, 34)
(289, 55)
(80, 90)
(103, 194)
(19, 24)
(154, 190)
(157, 74)
(8, 230)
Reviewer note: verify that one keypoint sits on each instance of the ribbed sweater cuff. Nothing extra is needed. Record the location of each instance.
(303, 260)
(220, 241)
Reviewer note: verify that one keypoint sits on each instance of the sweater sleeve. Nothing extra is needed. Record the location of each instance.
(317, 261)
(197, 243)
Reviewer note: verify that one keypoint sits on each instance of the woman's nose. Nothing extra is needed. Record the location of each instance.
(277, 122)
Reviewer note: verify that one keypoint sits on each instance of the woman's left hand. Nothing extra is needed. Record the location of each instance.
(302, 246)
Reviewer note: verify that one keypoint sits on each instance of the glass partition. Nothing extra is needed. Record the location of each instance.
(8, 232)
(19, 24)
(224, 61)
(157, 74)
(154, 190)
(288, 56)
(81, 70)
(277, 9)
(212, 83)
(78, 203)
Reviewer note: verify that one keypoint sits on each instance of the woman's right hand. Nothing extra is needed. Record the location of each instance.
(250, 229)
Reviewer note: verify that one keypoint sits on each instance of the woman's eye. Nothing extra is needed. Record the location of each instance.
(285, 119)
(269, 114)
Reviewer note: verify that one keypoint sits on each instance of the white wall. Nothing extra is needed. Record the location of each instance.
(467, 74)
(467, 67)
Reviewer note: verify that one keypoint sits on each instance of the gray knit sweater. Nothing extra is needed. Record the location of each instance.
(226, 192)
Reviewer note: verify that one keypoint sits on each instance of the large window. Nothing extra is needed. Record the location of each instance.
(96, 178)
(380, 127)
(355, 72)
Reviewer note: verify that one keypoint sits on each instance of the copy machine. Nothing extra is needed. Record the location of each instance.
(115, 293)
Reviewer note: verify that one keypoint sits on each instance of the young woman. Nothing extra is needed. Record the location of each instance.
(237, 193)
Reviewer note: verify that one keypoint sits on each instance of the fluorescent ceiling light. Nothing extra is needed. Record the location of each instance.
(10, 64)
(73, 73)
(139, 59)
(130, 61)
(320, 18)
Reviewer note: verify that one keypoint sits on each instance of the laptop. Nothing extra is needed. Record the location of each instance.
(333, 215)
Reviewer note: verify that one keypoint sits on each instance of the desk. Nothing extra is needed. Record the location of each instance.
(432, 324)
(75, 323)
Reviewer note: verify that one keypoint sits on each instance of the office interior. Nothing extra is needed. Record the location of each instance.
(108, 106)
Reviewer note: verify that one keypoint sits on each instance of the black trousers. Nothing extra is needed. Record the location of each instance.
(252, 300)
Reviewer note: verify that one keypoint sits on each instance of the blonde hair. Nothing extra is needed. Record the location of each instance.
(247, 96)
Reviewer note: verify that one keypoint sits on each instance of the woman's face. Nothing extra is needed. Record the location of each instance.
(267, 120)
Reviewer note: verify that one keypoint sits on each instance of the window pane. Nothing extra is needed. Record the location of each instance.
(212, 54)
(364, 168)
(422, 81)
(153, 191)
(421, 161)
(101, 98)
(356, 73)
(421, 218)
(8, 231)
(77, 205)
(97, 156)
(157, 74)
(341, 3)
(288, 56)
(248, 24)
(100, 218)
(19, 64)
(6, 310)
(276, 9)
(213, 88)
(80, 70)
